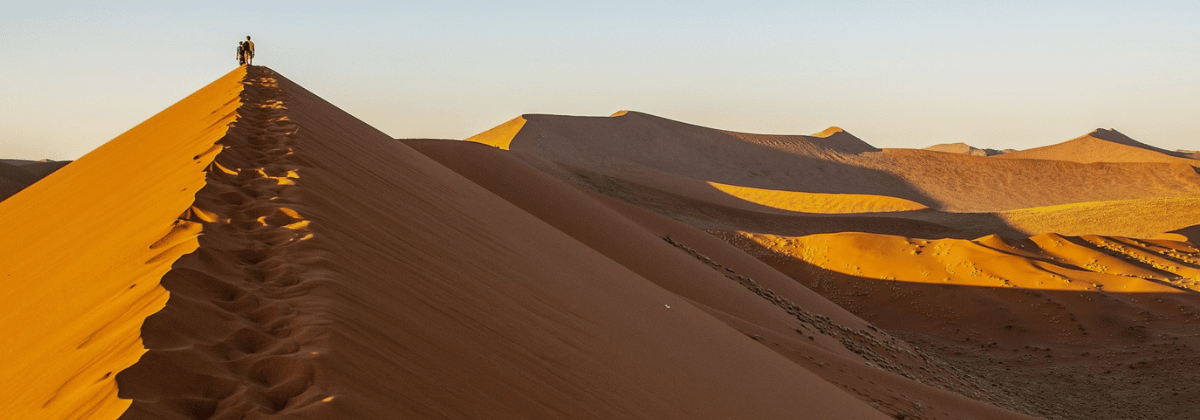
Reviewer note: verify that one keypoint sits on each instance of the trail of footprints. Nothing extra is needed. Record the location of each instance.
(233, 337)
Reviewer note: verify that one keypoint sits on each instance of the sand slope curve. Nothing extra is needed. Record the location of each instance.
(83, 251)
(345, 275)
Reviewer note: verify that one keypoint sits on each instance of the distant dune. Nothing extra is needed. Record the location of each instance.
(1023, 270)
(653, 153)
(965, 149)
(16, 175)
(1103, 145)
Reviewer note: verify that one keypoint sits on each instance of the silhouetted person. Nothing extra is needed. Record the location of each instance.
(245, 52)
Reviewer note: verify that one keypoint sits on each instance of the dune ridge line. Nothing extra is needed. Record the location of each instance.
(230, 342)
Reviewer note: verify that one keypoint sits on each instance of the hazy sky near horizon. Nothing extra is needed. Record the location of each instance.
(1011, 74)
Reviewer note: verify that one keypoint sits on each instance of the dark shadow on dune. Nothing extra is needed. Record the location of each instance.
(1192, 233)
(14, 178)
(1065, 351)
(709, 154)
(1120, 138)
(761, 219)
(593, 151)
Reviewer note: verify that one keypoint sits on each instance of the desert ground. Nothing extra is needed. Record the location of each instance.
(255, 252)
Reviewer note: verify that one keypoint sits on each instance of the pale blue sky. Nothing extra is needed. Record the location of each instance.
(1000, 74)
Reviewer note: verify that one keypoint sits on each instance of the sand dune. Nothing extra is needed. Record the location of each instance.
(1103, 145)
(1022, 274)
(627, 234)
(83, 251)
(1069, 319)
(965, 149)
(312, 267)
(639, 148)
(818, 203)
(254, 251)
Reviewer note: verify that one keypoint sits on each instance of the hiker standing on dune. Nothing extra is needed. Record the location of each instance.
(245, 52)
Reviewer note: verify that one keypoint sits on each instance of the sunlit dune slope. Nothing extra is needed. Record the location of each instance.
(1140, 218)
(1132, 218)
(82, 252)
(666, 155)
(1059, 321)
(723, 285)
(817, 202)
(1103, 145)
(1049, 261)
(344, 275)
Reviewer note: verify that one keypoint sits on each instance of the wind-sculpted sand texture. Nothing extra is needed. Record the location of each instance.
(82, 252)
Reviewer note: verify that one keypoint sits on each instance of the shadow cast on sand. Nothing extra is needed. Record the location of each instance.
(1041, 352)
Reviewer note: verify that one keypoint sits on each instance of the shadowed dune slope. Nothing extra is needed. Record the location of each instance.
(1077, 327)
(633, 237)
(345, 275)
(82, 252)
(1103, 145)
(667, 155)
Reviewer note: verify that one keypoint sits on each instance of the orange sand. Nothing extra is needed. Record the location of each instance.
(84, 250)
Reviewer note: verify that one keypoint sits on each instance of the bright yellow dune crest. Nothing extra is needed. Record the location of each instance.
(79, 280)
(806, 202)
(500, 136)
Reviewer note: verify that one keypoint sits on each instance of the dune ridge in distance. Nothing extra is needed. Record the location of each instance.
(1059, 282)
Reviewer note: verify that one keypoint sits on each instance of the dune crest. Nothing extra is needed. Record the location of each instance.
(638, 147)
(500, 136)
(1103, 145)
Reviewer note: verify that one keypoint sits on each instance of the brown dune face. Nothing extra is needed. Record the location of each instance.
(1104, 145)
(660, 154)
(744, 293)
(1089, 324)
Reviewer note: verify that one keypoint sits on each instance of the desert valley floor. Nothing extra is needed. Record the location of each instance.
(255, 252)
